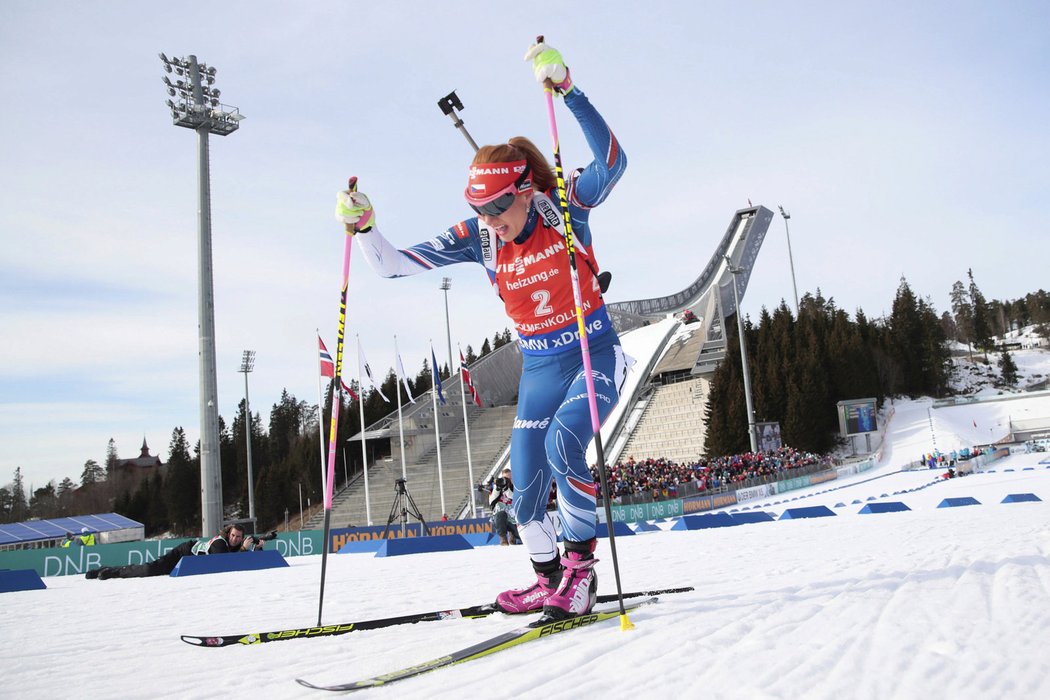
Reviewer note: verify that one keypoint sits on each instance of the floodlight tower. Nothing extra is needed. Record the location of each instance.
(791, 259)
(752, 433)
(446, 284)
(197, 107)
(247, 365)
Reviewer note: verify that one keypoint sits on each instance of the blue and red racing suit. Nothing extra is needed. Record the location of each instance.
(552, 427)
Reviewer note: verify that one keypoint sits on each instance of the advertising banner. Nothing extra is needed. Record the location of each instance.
(753, 493)
(701, 503)
(644, 511)
(76, 561)
(339, 537)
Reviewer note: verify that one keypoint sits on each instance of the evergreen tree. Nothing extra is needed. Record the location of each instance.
(66, 493)
(156, 511)
(935, 359)
(982, 325)
(962, 311)
(43, 501)
(1008, 368)
(66, 486)
(137, 506)
(92, 473)
(805, 425)
(905, 340)
(948, 327)
(6, 504)
(761, 360)
(228, 464)
(182, 486)
(122, 503)
(997, 312)
(111, 457)
(424, 379)
(486, 348)
(726, 413)
(285, 421)
(469, 356)
(19, 503)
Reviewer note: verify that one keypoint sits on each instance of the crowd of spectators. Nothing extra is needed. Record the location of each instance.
(662, 478)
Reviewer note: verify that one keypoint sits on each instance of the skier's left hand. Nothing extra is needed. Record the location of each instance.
(547, 64)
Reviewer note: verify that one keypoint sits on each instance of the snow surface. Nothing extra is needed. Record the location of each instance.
(933, 602)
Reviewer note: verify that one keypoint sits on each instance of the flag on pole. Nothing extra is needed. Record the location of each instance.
(366, 371)
(350, 392)
(466, 379)
(404, 378)
(437, 376)
(327, 365)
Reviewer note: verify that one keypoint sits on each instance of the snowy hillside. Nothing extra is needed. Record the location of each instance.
(976, 375)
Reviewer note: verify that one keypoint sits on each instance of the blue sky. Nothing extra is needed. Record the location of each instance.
(907, 140)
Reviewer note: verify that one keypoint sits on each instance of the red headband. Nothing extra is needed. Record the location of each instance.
(489, 180)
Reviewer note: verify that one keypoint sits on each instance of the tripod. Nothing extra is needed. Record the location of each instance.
(404, 506)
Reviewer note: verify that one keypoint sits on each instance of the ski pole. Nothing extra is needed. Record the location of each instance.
(449, 104)
(585, 350)
(337, 396)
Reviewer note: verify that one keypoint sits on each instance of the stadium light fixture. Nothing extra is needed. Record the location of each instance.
(190, 111)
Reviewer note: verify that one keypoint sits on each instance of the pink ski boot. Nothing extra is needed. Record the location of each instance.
(578, 589)
(529, 598)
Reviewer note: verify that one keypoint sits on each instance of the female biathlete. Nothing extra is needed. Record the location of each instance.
(517, 236)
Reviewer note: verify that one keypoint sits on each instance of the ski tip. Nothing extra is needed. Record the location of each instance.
(203, 641)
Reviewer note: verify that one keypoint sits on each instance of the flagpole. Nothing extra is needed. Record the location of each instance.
(401, 433)
(437, 432)
(320, 413)
(364, 453)
(466, 430)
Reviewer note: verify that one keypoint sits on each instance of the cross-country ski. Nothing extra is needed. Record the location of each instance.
(472, 611)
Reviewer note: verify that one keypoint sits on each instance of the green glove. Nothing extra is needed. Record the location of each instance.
(355, 211)
(547, 64)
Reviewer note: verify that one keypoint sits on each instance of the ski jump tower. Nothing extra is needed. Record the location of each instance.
(710, 296)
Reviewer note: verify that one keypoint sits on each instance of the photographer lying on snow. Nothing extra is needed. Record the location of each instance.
(231, 539)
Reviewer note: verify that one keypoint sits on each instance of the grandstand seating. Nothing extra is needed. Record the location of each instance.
(489, 437)
(672, 425)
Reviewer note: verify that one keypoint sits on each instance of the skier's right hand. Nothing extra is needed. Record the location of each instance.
(354, 209)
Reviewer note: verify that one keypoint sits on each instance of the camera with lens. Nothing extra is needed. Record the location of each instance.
(501, 483)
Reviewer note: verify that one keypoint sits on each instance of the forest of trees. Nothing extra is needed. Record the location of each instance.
(286, 454)
(800, 367)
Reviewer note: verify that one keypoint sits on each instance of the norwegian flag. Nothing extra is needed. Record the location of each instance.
(350, 392)
(465, 373)
(327, 365)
